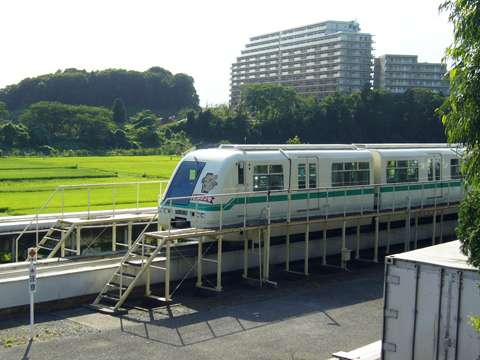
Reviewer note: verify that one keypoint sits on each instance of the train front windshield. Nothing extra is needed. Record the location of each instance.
(184, 182)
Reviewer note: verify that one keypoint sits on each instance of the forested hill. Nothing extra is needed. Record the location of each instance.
(155, 88)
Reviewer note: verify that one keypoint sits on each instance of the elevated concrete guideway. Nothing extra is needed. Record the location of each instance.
(149, 258)
(76, 276)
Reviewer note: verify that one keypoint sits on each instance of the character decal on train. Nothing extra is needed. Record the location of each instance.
(208, 182)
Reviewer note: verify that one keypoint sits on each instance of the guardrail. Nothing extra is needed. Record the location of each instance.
(61, 190)
(425, 195)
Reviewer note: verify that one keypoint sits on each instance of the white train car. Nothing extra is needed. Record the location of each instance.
(425, 176)
(238, 184)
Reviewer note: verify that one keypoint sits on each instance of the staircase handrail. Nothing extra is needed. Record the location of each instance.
(30, 223)
(63, 187)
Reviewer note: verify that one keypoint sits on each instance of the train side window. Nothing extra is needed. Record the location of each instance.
(455, 169)
(312, 176)
(301, 176)
(399, 171)
(260, 169)
(241, 173)
(431, 171)
(267, 177)
(350, 174)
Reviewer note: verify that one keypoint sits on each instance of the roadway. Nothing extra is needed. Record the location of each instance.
(330, 311)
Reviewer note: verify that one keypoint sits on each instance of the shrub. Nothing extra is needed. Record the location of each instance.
(46, 149)
(5, 257)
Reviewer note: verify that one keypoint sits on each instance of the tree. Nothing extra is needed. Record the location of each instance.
(468, 230)
(120, 139)
(340, 117)
(39, 136)
(3, 111)
(273, 106)
(90, 125)
(14, 135)
(461, 116)
(119, 113)
(461, 110)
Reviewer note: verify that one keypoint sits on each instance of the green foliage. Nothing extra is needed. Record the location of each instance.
(468, 230)
(461, 110)
(14, 135)
(295, 140)
(270, 112)
(77, 124)
(46, 150)
(39, 136)
(5, 257)
(120, 139)
(3, 111)
(475, 322)
(119, 113)
(155, 88)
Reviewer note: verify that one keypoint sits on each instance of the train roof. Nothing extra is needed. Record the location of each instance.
(408, 146)
(386, 153)
(271, 151)
(276, 147)
(277, 152)
(289, 147)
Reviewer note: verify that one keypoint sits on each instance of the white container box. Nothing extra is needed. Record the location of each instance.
(429, 296)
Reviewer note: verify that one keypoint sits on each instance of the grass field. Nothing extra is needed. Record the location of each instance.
(27, 183)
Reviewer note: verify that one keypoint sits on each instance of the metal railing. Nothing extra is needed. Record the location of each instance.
(62, 188)
(330, 201)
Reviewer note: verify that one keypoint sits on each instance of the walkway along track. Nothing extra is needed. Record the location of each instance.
(139, 259)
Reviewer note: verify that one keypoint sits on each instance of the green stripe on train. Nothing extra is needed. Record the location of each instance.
(417, 187)
(276, 198)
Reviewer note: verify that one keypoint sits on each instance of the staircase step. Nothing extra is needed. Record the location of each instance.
(139, 253)
(129, 276)
(150, 246)
(110, 296)
(135, 265)
(49, 248)
(52, 238)
(105, 309)
(117, 286)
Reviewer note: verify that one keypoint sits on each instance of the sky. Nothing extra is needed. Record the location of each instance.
(198, 38)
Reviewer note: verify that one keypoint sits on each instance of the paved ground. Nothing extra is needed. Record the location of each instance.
(308, 319)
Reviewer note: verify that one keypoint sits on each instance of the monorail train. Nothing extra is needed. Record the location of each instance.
(246, 184)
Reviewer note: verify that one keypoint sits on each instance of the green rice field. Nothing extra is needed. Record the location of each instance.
(27, 183)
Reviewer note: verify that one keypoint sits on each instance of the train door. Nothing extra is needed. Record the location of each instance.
(242, 187)
(307, 170)
(434, 170)
(241, 176)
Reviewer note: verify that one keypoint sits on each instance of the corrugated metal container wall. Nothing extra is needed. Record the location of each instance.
(429, 297)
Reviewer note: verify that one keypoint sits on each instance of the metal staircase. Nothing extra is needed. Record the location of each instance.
(56, 237)
(138, 259)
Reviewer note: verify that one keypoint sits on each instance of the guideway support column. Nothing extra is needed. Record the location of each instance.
(218, 261)
(345, 251)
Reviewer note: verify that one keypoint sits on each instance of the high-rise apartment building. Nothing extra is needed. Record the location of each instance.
(399, 73)
(315, 59)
